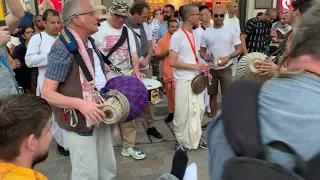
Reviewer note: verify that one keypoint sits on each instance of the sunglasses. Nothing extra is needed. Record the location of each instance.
(284, 11)
(217, 15)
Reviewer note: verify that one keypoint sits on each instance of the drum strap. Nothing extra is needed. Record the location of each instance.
(124, 36)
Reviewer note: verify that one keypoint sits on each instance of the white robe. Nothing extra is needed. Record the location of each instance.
(37, 56)
(189, 111)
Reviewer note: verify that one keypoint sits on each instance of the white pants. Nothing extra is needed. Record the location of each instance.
(189, 111)
(207, 100)
(92, 157)
(60, 135)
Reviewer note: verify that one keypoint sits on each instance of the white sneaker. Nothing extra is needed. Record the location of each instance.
(133, 152)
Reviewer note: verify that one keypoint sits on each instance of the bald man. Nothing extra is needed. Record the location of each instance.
(256, 33)
(220, 42)
(230, 18)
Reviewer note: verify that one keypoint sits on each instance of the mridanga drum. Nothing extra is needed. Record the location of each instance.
(248, 66)
(154, 89)
(133, 90)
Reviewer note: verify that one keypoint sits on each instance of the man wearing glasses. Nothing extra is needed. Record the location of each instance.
(220, 43)
(279, 30)
(67, 89)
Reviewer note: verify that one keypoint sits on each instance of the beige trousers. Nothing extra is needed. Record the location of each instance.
(129, 129)
(92, 157)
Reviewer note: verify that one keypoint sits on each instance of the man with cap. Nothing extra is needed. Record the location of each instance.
(101, 12)
(126, 60)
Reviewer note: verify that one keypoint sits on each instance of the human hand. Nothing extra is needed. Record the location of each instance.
(224, 60)
(91, 111)
(15, 64)
(4, 35)
(138, 74)
(202, 67)
(107, 68)
(245, 52)
(274, 34)
(267, 67)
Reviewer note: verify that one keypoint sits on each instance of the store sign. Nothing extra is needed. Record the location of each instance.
(285, 4)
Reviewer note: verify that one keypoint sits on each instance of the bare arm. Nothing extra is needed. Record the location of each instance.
(147, 59)
(162, 55)
(237, 52)
(135, 61)
(203, 53)
(243, 38)
(178, 64)
(17, 12)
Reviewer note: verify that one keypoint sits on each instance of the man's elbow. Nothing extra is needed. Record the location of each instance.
(28, 62)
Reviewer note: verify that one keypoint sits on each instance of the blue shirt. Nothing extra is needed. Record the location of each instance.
(288, 111)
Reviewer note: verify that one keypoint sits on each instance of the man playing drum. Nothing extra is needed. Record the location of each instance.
(143, 38)
(189, 107)
(125, 58)
(69, 90)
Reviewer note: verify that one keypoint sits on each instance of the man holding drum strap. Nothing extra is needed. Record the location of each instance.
(223, 44)
(189, 107)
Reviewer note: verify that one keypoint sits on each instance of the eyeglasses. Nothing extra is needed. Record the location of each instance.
(90, 13)
(284, 11)
(205, 14)
(195, 14)
(217, 15)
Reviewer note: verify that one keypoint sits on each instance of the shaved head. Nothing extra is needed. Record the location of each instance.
(233, 8)
(218, 10)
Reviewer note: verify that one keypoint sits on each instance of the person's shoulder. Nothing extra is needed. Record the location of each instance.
(199, 30)
(177, 34)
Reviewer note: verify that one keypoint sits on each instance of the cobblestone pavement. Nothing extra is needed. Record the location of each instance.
(158, 161)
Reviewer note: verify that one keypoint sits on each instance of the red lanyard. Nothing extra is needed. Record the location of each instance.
(192, 45)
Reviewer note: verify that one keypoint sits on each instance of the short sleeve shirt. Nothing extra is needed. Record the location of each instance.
(258, 33)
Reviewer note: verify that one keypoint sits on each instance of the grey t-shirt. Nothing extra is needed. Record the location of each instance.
(7, 81)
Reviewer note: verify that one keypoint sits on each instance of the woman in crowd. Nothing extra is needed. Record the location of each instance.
(23, 73)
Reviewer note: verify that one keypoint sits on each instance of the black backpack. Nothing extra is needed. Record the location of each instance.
(241, 127)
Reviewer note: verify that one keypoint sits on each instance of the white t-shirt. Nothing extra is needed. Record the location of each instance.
(219, 43)
(149, 38)
(198, 33)
(180, 44)
(106, 38)
(232, 22)
(100, 77)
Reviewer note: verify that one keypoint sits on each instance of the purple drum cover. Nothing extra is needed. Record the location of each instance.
(135, 91)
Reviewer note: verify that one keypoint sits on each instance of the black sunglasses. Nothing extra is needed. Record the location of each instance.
(217, 15)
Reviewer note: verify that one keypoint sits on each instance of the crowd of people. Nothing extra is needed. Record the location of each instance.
(176, 47)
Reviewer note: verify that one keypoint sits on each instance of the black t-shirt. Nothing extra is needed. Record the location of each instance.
(258, 33)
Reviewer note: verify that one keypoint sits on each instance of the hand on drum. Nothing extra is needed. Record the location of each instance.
(202, 67)
(91, 112)
(267, 67)
(138, 74)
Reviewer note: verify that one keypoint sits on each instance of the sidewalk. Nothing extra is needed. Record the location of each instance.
(158, 161)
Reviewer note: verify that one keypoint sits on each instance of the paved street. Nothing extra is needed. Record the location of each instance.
(158, 161)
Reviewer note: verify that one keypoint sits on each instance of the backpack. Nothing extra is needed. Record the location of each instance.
(250, 163)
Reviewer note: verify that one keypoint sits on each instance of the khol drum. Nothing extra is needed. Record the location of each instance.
(133, 89)
(153, 87)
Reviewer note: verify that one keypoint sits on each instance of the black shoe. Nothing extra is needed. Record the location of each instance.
(203, 144)
(62, 151)
(204, 127)
(153, 132)
(169, 118)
